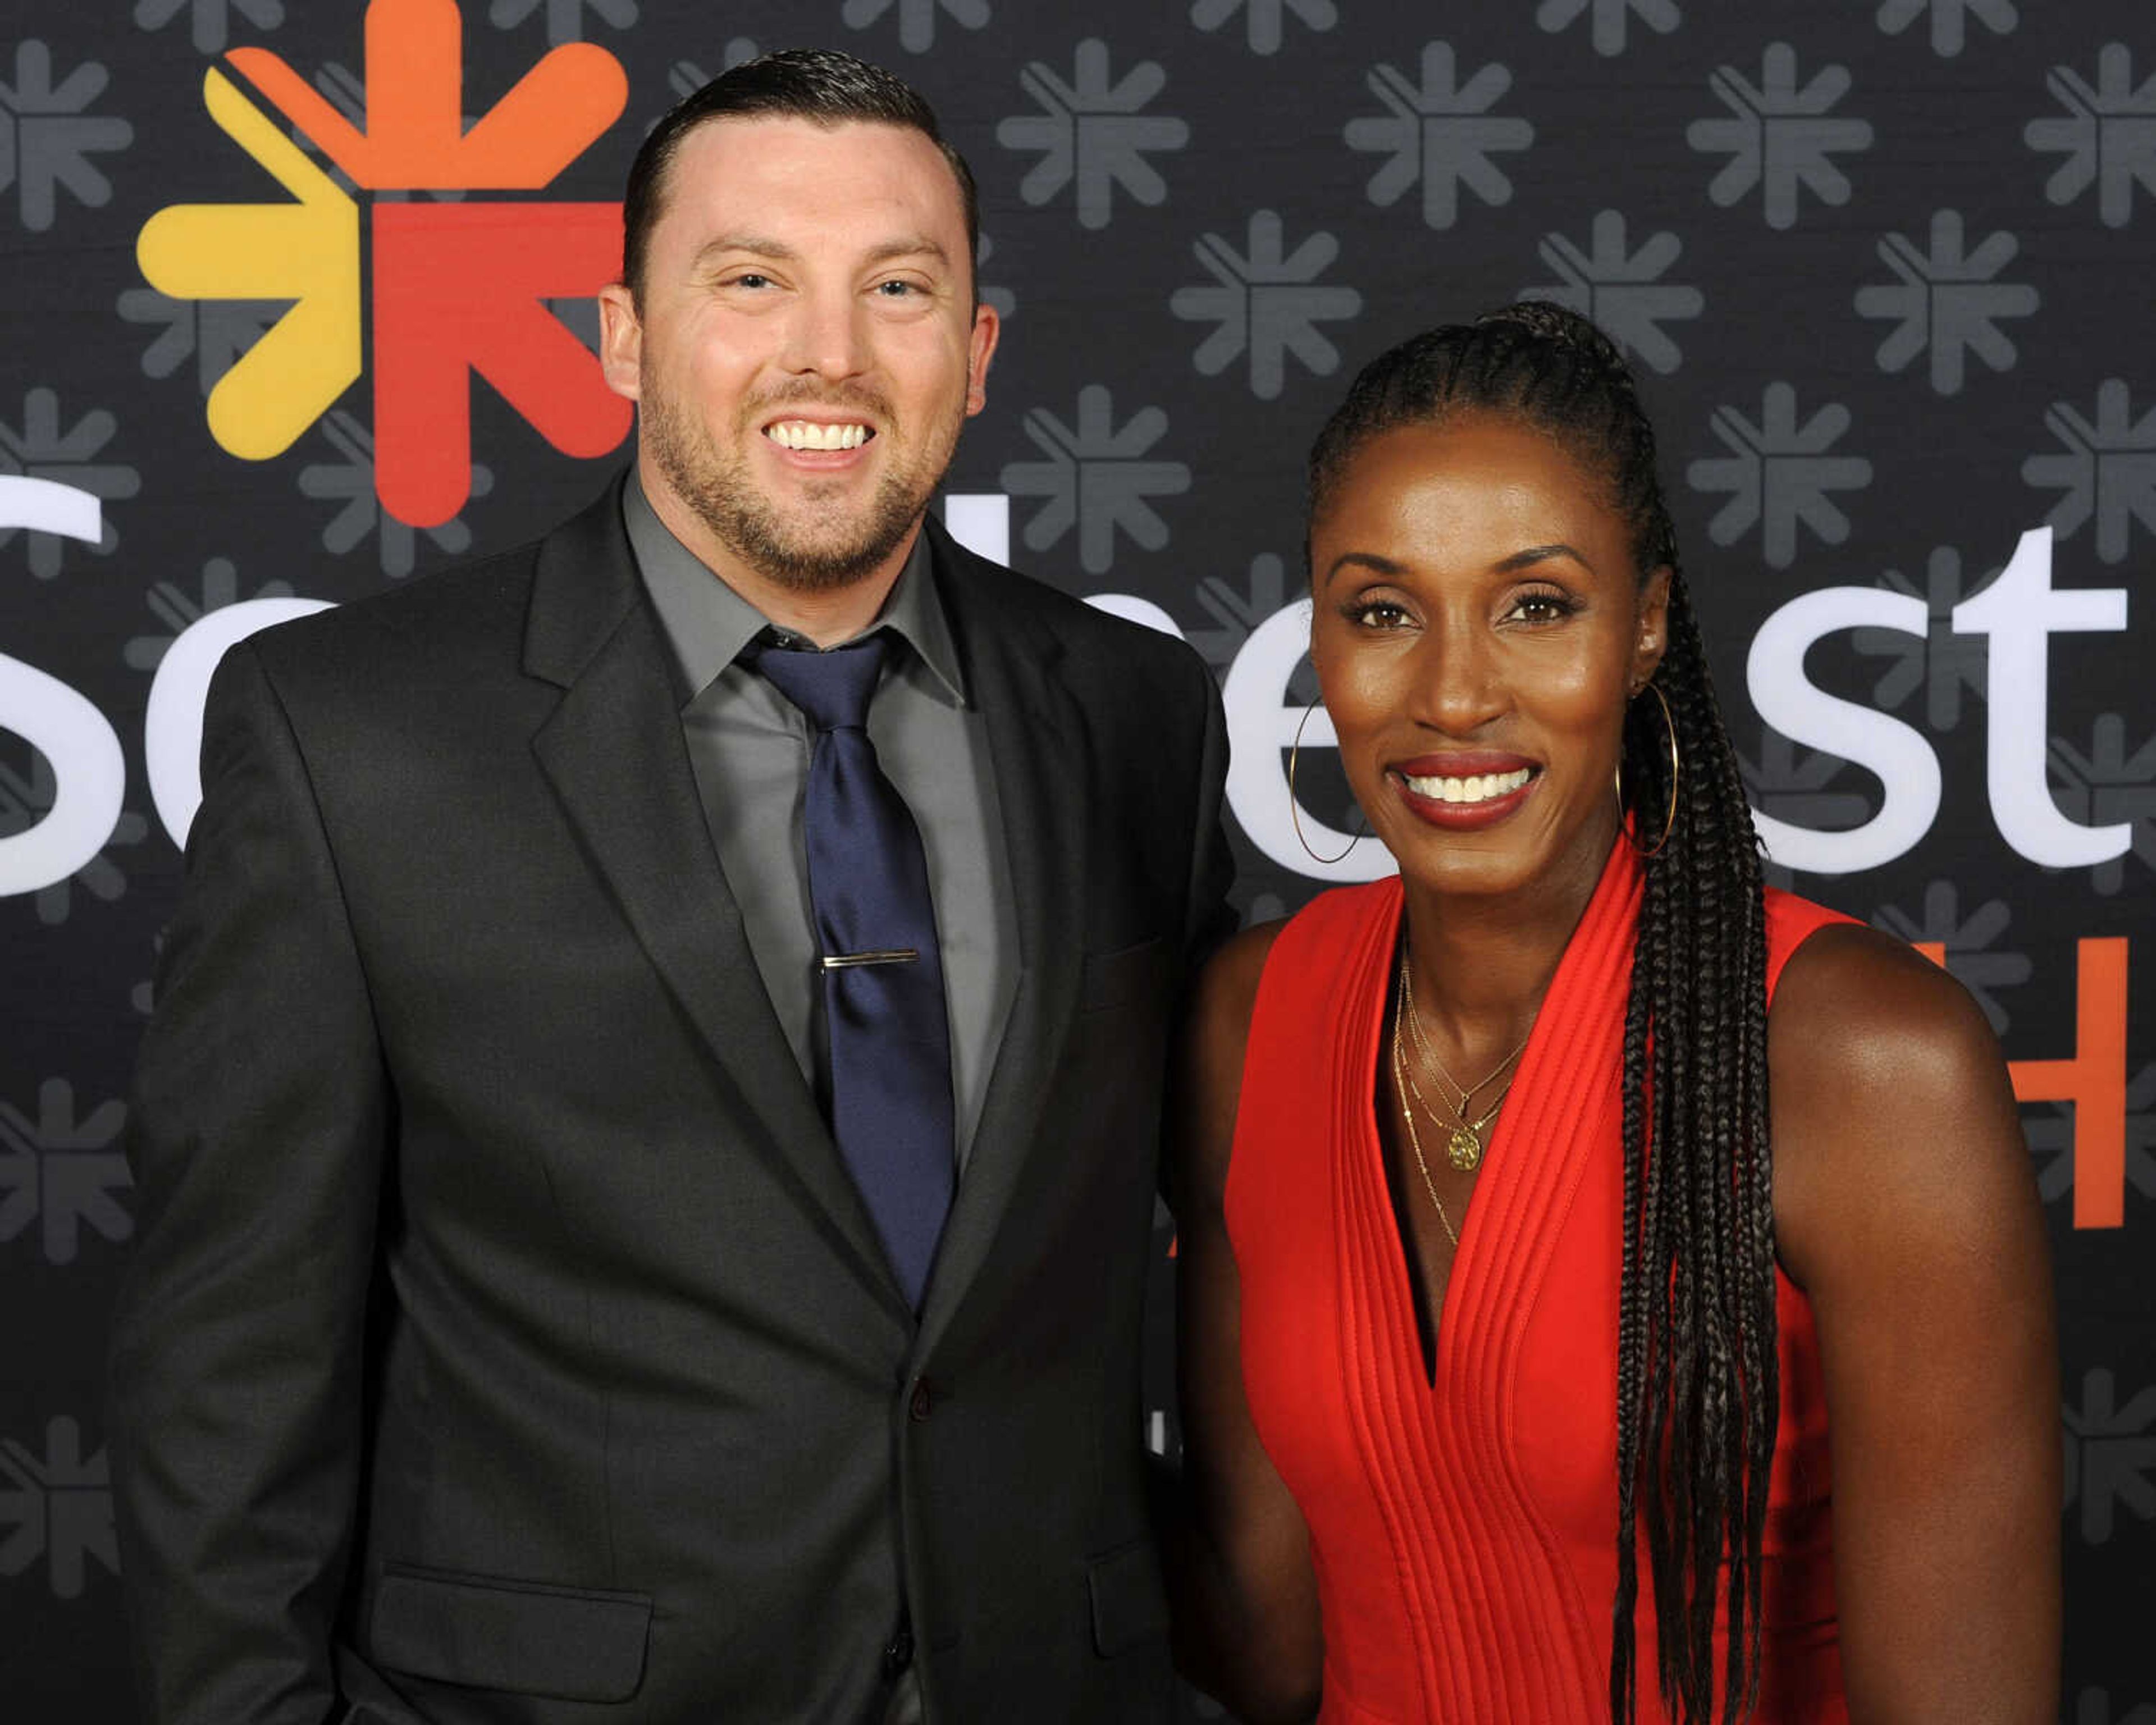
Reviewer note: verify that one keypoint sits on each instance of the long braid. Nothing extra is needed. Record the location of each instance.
(1697, 1396)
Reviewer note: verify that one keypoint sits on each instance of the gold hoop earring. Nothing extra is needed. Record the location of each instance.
(1294, 814)
(1670, 819)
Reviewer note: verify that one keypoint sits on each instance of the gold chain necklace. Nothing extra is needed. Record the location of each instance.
(1464, 1150)
(1400, 1083)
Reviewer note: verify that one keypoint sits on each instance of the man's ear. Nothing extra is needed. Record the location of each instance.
(621, 341)
(1650, 639)
(980, 349)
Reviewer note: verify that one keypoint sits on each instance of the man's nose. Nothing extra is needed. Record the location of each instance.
(826, 337)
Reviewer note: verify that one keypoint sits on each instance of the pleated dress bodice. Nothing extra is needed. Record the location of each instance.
(1464, 1530)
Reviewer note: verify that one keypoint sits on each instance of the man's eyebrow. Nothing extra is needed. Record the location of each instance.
(763, 245)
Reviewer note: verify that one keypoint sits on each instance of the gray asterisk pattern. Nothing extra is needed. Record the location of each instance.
(1237, 608)
(215, 333)
(210, 21)
(1622, 291)
(65, 1173)
(1439, 133)
(40, 449)
(2107, 134)
(1949, 667)
(176, 610)
(1779, 473)
(916, 18)
(1267, 303)
(1949, 20)
(565, 18)
(686, 77)
(57, 1507)
(2093, 1706)
(1092, 133)
(349, 482)
(1781, 137)
(1266, 21)
(1096, 477)
(1610, 18)
(1796, 786)
(1971, 944)
(2105, 784)
(47, 137)
(2110, 1457)
(1947, 302)
(25, 798)
(2106, 468)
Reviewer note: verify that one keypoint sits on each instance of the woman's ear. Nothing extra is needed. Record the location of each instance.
(1651, 637)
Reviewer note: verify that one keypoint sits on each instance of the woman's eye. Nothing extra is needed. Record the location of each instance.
(1541, 607)
(1378, 613)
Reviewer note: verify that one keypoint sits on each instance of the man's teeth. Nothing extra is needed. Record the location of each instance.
(1479, 787)
(807, 434)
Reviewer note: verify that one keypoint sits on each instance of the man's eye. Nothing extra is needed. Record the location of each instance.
(749, 279)
(896, 289)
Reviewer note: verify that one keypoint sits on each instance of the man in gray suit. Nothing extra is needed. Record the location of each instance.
(575, 1280)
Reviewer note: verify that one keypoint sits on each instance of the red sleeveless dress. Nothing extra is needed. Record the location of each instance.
(1464, 1534)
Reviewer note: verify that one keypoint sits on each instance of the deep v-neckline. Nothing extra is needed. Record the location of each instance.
(1426, 1331)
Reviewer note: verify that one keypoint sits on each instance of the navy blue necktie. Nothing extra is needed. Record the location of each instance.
(883, 978)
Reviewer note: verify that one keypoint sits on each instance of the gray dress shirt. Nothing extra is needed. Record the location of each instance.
(749, 748)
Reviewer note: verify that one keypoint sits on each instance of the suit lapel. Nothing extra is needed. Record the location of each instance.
(614, 752)
(1038, 749)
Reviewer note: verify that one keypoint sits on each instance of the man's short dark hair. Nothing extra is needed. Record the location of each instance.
(818, 84)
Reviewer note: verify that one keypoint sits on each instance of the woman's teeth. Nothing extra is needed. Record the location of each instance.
(807, 434)
(1479, 787)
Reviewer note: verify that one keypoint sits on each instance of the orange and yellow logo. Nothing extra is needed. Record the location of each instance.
(454, 288)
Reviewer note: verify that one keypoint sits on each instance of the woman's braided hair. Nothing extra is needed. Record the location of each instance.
(1697, 1397)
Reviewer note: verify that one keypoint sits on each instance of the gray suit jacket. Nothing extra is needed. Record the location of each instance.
(504, 1339)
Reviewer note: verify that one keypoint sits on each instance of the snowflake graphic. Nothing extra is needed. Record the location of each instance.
(178, 610)
(2093, 1707)
(916, 18)
(1238, 610)
(1944, 664)
(2104, 786)
(63, 1172)
(42, 450)
(1092, 132)
(351, 482)
(1623, 292)
(684, 78)
(215, 333)
(1778, 475)
(1267, 304)
(2108, 135)
(1441, 133)
(210, 20)
(1610, 19)
(2108, 472)
(1783, 138)
(1093, 478)
(1949, 19)
(47, 138)
(1970, 944)
(2052, 1142)
(1795, 787)
(25, 800)
(57, 1507)
(565, 18)
(1948, 302)
(1265, 19)
(2110, 1453)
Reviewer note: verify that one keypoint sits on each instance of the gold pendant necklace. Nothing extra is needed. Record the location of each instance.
(1402, 1083)
(1464, 1148)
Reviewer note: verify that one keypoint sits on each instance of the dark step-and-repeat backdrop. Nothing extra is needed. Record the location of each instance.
(277, 332)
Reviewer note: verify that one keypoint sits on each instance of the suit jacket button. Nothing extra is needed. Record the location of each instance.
(899, 1654)
(922, 1402)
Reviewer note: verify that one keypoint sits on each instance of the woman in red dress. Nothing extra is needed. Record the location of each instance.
(1610, 1288)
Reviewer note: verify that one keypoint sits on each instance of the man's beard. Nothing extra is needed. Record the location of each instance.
(717, 488)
